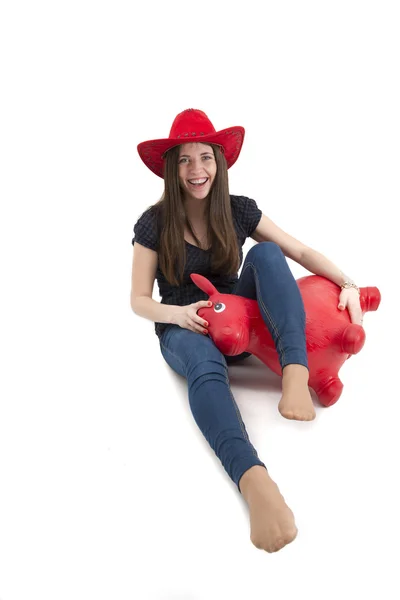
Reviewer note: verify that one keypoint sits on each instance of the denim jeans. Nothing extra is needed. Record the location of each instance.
(265, 277)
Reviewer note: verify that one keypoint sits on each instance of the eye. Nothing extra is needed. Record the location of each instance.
(219, 307)
(208, 157)
(182, 160)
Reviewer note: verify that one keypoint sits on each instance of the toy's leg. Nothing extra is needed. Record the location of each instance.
(328, 391)
(266, 277)
(215, 411)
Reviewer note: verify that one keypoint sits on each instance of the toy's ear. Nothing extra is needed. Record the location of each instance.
(204, 284)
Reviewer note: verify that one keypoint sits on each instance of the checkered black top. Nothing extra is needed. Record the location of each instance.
(246, 216)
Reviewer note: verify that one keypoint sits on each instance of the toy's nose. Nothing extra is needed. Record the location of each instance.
(227, 330)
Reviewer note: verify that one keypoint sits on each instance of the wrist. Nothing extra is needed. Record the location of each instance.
(348, 284)
(175, 311)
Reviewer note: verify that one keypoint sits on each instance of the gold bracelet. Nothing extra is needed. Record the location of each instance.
(349, 284)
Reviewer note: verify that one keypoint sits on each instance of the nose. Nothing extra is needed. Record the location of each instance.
(227, 330)
(196, 165)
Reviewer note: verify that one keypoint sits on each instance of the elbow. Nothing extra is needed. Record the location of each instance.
(137, 303)
(132, 302)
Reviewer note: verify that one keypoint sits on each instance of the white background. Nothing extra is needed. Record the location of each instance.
(107, 488)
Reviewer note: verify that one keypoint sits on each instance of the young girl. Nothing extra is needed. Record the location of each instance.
(199, 227)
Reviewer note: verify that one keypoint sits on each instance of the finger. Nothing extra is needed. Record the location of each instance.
(198, 326)
(197, 319)
(201, 321)
(355, 315)
(201, 325)
(201, 303)
(190, 324)
(195, 329)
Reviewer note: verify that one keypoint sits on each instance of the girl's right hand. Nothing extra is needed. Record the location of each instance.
(187, 317)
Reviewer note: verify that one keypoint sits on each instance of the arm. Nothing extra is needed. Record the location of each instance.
(313, 261)
(317, 263)
(144, 267)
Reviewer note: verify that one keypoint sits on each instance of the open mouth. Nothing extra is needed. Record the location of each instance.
(198, 183)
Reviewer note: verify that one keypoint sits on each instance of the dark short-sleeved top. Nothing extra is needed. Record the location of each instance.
(246, 216)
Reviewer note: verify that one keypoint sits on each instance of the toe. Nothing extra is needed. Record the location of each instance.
(288, 414)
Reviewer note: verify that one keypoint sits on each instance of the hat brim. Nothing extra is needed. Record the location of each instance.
(230, 139)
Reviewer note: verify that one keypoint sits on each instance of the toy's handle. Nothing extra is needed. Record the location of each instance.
(370, 298)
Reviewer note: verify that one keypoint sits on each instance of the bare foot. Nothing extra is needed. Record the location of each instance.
(296, 402)
(272, 523)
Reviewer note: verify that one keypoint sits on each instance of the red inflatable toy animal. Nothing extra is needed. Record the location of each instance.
(236, 326)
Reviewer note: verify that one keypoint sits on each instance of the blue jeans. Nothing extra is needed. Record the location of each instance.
(265, 277)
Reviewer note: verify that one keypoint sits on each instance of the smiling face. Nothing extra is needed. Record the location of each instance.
(196, 169)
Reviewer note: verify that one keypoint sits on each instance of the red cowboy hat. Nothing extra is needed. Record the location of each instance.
(191, 125)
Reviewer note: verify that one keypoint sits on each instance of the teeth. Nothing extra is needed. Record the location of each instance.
(198, 180)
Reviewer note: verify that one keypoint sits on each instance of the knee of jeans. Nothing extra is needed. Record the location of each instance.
(265, 251)
(212, 365)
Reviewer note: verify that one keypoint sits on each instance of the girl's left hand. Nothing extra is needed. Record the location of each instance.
(349, 298)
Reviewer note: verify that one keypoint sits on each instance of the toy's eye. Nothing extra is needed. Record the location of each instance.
(219, 307)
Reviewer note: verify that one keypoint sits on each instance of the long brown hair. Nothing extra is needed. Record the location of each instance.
(172, 219)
